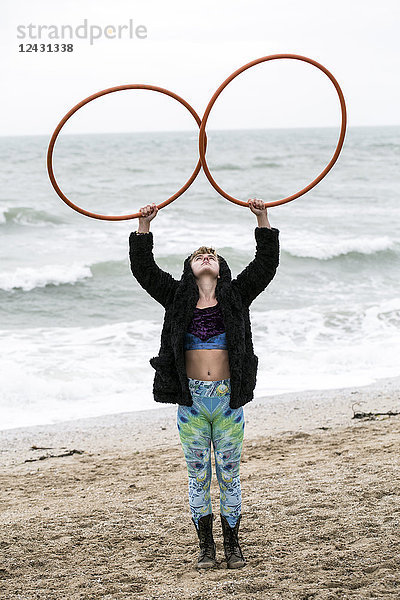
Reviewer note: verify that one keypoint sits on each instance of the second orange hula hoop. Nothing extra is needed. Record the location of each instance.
(202, 133)
(133, 86)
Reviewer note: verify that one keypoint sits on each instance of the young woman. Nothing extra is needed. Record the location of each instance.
(207, 366)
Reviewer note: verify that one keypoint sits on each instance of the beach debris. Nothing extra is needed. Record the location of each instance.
(371, 416)
(43, 457)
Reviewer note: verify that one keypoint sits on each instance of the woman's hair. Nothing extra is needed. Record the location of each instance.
(204, 250)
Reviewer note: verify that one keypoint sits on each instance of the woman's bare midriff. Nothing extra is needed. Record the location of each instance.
(207, 365)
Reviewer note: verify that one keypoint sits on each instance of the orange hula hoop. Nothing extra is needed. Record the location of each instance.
(86, 101)
(203, 138)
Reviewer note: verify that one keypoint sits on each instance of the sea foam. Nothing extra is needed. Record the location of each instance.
(29, 278)
(328, 248)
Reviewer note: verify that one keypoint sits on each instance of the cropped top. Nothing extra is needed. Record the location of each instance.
(206, 330)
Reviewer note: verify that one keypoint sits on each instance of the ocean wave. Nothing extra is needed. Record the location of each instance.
(3, 210)
(24, 215)
(328, 327)
(108, 268)
(29, 278)
(266, 165)
(227, 167)
(383, 146)
(103, 363)
(333, 249)
(130, 169)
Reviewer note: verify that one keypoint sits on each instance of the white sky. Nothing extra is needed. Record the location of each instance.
(191, 47)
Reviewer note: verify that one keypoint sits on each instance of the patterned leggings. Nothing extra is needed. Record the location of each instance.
(211, 418)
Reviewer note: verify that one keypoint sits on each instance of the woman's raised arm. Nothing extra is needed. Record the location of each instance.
(160, 285)
(258, 274)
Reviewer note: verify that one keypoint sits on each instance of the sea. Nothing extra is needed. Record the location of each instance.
(77, 330)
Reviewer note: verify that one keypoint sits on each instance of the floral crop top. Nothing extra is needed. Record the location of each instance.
(206, 330)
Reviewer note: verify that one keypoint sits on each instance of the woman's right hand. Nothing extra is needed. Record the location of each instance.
(147, 214)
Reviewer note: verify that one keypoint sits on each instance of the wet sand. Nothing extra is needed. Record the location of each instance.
(98, 508)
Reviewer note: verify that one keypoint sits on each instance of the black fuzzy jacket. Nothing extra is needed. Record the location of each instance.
(179, 298)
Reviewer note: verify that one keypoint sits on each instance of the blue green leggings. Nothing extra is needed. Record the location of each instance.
(211, 418)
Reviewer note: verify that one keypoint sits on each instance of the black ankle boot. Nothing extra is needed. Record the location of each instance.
(207, 544)
(233, 553)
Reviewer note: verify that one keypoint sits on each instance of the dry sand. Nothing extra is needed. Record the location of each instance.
(100, 509)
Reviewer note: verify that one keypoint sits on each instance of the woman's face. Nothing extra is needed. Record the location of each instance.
(205, 263)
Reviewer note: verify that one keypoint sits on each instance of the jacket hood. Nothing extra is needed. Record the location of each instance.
(187, 293)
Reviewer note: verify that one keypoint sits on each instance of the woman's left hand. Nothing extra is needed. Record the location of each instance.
(257, 207)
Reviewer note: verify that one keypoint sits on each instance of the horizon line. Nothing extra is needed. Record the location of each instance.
(2, 135)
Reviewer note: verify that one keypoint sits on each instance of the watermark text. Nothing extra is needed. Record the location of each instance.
(84, 31)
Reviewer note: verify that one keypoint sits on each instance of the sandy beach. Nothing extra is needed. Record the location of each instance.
(98, 508)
